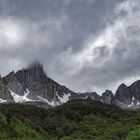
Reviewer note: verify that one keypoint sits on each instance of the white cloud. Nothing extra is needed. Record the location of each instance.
(11, 33)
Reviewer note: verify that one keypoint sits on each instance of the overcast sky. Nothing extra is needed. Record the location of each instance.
(87, 45)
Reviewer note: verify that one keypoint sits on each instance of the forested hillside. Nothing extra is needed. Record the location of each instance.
(75, 120)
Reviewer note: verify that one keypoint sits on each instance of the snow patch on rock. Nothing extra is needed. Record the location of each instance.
(138, 103)
(3, 101)
(132, 103)
(43, 99)
(52, 103)
(64, 98)
(21, 99)
(84, 97)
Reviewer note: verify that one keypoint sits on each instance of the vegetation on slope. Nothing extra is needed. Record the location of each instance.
(75, 120)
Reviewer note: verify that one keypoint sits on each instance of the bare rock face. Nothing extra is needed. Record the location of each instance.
(34, 80)
(129, 96)
(123, 94)
(4, 93)
(135, 90)
(12, 83)
(107, 97)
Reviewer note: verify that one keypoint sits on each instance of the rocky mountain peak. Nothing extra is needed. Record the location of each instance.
(107, 97)
(123, 94)
(122, 86)
(136, 83)
(135, 90)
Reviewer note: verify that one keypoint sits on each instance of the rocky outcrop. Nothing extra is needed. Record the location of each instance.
(123, 94)
(135, 90)
(91, 95)
(5, 95)
(129, 95)
(107, 97)
(13, 84)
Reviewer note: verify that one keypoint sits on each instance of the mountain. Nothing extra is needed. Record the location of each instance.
(31, 85)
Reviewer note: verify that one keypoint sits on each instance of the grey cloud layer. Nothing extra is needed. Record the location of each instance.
(113, 56)
(84, 44)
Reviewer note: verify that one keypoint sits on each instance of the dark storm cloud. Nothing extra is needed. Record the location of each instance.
(84, 44)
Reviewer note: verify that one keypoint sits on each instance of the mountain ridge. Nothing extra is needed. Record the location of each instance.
(31, 84)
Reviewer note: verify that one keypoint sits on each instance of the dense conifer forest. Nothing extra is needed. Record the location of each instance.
(75, 120)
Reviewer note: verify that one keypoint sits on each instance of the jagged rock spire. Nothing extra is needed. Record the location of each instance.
(107, 97)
